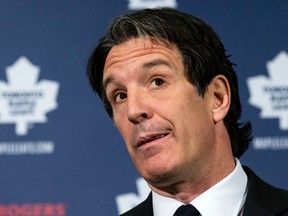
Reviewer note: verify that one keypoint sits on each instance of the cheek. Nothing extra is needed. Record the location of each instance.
(123, 127)
(194, 121)
(126, 136)
(123, 131)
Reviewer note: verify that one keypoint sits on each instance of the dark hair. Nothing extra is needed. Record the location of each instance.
(202, 51)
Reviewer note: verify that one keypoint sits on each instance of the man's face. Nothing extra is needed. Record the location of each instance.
(166, 125)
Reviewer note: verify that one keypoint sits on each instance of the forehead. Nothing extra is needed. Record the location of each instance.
(139, 48)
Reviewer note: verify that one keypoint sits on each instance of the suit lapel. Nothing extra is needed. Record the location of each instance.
(264, 199)
(143, 209)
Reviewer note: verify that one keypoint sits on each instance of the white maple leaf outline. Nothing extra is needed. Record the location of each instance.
(129, 200)
(22, 89)
(270, 94)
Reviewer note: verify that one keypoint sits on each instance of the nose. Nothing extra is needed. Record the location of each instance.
(138, 108)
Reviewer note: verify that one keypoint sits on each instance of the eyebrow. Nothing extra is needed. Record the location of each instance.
(107, 81)
(146, 65)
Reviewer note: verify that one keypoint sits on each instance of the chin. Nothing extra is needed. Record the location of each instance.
(160, 176)
(157, 169)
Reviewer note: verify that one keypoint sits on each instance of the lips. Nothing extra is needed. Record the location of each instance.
(142, 140)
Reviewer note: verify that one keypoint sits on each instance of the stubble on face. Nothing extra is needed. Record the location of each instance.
(168, 147)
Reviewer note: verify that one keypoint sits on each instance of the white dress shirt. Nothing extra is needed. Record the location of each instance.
(226, 198)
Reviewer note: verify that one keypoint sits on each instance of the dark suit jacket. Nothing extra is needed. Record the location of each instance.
(262, 200)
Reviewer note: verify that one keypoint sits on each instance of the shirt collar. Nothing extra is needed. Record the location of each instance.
(223, 199)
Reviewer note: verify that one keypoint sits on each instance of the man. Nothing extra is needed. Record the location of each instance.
(166, 82)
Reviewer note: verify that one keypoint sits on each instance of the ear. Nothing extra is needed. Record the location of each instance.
(221, 94)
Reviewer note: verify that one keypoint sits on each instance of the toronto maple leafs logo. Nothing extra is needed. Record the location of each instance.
(142, 4)
(270, 94)
(23, 101)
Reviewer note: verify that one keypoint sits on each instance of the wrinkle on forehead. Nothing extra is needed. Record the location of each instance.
(142, 46)
(139, 55)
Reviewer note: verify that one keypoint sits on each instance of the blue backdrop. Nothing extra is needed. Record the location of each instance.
(60, 154)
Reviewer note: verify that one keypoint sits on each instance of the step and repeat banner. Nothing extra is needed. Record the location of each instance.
(60, 154)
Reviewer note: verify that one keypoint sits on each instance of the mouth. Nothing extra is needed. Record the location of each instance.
(149, 138)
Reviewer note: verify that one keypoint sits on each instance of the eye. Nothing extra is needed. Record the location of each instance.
(120, 96)
(158, 82)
